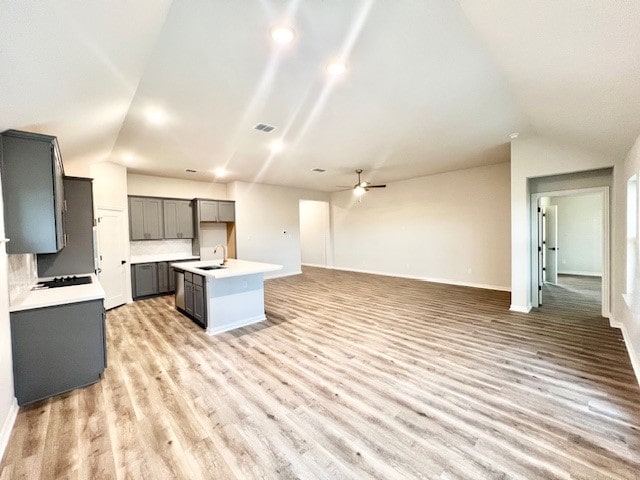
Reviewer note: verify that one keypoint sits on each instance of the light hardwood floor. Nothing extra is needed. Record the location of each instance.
(352, 376)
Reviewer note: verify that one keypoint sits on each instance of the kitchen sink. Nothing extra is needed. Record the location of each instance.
(211, 267)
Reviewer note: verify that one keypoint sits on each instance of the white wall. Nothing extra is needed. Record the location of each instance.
(579, 234)
(8, 405)
(152, 186)
(629, 318)
(263, 214)
(315, 233)
(537, 157)
(451, 227)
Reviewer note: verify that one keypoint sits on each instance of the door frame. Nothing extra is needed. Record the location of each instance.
(606, 249)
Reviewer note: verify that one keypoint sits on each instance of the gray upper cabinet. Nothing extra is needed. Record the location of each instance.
(78, 255)
(178, 218)
(226, 212)
(33, 192)
(217, 211)
(145, 218)
(208, 211)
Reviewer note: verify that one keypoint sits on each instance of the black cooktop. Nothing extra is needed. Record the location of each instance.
(64, 282)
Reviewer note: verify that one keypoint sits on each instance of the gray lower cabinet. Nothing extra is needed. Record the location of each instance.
(77, 256)
(145, 279)
(145, 218)
(178, 218)
(195, 298)
(57, 349)
(163, 277)
(33, 192)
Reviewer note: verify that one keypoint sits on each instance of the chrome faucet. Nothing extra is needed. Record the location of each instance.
(224, 251)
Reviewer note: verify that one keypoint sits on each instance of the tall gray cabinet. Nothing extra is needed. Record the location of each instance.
(78, 254)
(33, 192)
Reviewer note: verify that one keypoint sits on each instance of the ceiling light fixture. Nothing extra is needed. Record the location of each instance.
(276, 146)
(128, 158)
(336, 68)
(359, 191)
(514, 135)
(220, 172)
(282, 34)
(155, 116)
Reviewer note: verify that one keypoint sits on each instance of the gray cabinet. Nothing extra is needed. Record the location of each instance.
(145, 218)
(57, 349)
(226, 212)
(208, 211)
(178, 218)
(33, 192)
(145, 279)
(217, 211)
(163, 277)
(78, 255)
(195, 298)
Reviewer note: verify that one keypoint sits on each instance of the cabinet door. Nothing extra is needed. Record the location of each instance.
(33, 192)
(188, 297)
(185, 219)
(172, 279)
(199, 307)
(226, 212)
(146, 279)
(57, 349)
(171, 228)
(136, 218)
(153, 218)
(77, 256)
(208, 211)
(163, 277)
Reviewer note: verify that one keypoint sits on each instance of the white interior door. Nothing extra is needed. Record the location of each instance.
(540, 254)
(112, 266)
(315, 233)
(551, 243)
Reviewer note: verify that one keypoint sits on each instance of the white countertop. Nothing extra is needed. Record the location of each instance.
(58, 296)
(161, 257)
(233, 268)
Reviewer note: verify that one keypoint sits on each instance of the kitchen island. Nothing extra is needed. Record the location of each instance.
(222, 297)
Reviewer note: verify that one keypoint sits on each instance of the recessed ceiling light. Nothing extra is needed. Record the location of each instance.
(336, 68)
(128, 158)
(513, 135)
(190, 170)
(155, 116)
(220, 172)
(276, 146)
(282, 34)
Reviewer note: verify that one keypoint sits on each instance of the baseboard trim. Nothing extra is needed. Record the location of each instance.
(315, 265)
(427, 279)
(241, 323)
(520, 308)
(633, 356)
(580, 274)
(5, 433)
(280, 275)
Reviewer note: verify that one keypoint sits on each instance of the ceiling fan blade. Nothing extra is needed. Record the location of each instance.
(376, 186)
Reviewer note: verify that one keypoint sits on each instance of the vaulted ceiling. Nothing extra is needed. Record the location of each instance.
(430, 86)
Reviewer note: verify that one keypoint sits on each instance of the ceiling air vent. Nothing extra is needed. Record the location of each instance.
(190, 170)
(319, 170)
(263, 127)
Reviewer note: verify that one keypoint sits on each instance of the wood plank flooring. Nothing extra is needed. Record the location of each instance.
(352, 376)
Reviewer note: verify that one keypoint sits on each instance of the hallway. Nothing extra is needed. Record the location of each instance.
(575, 298)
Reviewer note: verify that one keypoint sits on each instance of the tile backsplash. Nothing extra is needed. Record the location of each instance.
(160, 247)
(23, 274)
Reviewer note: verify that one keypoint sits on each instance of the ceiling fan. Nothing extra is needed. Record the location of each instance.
(361, 187)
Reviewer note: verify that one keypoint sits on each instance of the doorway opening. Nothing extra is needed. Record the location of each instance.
(315, 234)
(570, 254)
